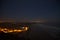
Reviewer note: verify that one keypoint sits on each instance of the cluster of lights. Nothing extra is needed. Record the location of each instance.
(6, 30)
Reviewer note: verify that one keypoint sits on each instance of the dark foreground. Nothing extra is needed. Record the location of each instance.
(11, 37)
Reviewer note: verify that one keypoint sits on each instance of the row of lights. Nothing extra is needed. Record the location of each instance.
(5, 30)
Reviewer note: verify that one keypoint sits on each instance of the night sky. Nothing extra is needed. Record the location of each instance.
(30, 9)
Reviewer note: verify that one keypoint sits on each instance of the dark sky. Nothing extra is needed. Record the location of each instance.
(30, 9)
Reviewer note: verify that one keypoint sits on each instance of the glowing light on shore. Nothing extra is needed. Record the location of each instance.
(6, 30)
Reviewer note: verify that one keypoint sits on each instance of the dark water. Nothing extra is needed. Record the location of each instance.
(44, 32)
(37, 32)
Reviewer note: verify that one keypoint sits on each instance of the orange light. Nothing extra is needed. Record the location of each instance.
(19, 30)
(2, 29)
(26, 28)
(5, 30)
(10, 31)
(15, 30)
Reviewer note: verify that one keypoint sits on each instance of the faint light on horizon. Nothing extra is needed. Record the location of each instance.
(36, 21)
